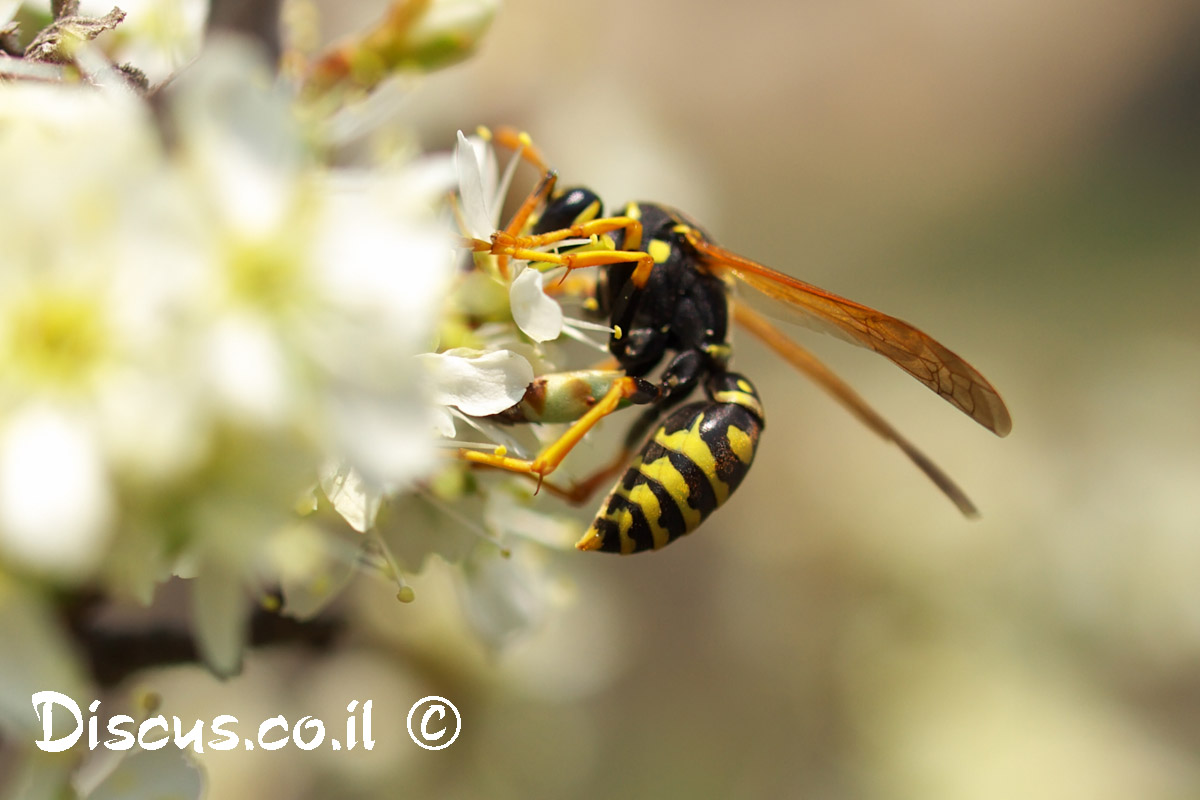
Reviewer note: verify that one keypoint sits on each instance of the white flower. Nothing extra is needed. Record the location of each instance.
(327, 285)
(225, 316)
(86, 306)
(482, 195)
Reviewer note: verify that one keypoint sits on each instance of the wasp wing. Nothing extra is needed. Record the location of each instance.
(916, 353)
(810, 365)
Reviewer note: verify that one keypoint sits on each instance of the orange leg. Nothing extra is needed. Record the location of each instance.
(508, 243)
(549, 459)
(519, 141)
(584, 230)
(579, 492)
(590, 258)
(543, 189)
(505, 244)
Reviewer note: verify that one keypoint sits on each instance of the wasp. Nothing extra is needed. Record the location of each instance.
(667, 290)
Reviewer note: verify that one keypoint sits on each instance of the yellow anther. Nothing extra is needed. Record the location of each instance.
(617, 332)
(500, 450)
(524, 138)
(484, 132)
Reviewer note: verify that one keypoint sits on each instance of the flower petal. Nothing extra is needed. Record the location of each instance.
(538, 316)
(478, 384)
(354, 498)
(220, 618)
(55, 500)
(148, 774)
(471, 191)
(443, 422)
(504, 598)
(241, 141)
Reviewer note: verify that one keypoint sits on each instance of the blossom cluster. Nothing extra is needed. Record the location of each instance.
(225, 359)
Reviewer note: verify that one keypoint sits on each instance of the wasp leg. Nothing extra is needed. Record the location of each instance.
(519, 142)
(522, 145)
(579, 492)
(543, 189)
(504, 243)
(591, 258)
(678, 380)
(584, 230)
(622, 389)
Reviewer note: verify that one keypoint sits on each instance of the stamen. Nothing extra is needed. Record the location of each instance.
(404, 592)
(569, 330)
(493, 432)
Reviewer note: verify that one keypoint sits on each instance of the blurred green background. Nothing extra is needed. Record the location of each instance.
(1021, 180)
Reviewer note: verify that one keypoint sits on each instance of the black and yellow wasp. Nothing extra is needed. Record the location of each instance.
(666, 288)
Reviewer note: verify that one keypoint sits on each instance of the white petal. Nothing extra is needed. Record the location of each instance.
(504, 597)
(356, 500)
(37, 655)
(383, 273)
(55, 498)
(537, 315)
(443, 423)
(489, 170)
(478, 384)
(471, 191)
(239, 138)
(314, 564)
(508, 517)
(248, 370)
(150, 774)
(159, 36)
(385, 436)
(220, 617)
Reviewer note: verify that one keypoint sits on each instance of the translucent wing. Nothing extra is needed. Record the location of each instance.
(811, 366)
(916, 353)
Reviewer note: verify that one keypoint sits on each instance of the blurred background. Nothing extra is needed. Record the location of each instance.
(1019, 179)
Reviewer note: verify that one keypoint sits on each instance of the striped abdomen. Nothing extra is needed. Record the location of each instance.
(687, 468)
